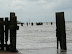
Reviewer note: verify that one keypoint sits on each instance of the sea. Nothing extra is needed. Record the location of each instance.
(41, 39)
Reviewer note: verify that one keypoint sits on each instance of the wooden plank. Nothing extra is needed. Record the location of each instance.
(2, 33)
(60, 30)
(6, 31)
(13, 28)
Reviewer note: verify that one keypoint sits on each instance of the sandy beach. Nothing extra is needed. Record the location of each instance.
(40, 51)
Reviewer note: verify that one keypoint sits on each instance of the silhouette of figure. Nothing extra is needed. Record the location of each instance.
(51, 23)
(32, 23)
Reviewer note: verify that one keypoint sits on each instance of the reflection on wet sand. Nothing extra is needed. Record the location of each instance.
(61, 52)
(5, 52)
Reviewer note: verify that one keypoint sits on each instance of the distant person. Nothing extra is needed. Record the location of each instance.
(51, 23)
(32, 23)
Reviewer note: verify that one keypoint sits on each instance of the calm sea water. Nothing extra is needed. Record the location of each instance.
(38, 37)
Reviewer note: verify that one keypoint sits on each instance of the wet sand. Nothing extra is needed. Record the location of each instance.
(40, 40)
(46, 51)
(6, 52)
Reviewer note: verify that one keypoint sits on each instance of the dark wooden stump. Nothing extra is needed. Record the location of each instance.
(27, 23)
(32, 23)
(6, 31)
(5, 26)
(2, 33)
(13, 28)
(60, 30)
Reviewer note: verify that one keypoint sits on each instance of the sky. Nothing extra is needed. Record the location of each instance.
(36, 10)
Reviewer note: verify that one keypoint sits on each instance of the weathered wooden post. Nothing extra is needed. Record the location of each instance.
(27, 23)
(13, 28)
(2, 33)
(60, 30)
(6, 31)
(32, 23)
(4, 27)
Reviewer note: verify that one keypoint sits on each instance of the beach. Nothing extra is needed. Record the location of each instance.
(41, 39)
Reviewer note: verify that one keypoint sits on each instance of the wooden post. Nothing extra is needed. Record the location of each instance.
(60, 30)
(32, 23)
(13, 27)
(27, 23)
(11, 16)
(2, 33)
(6, 31)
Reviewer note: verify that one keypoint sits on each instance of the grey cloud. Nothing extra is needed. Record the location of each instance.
(33, 7)
(64, 5)
(33, 0)
(49, 0)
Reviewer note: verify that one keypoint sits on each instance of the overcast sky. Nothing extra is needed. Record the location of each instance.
(36, 10)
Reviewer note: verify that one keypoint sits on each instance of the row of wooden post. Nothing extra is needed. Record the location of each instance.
(12, 26)
(5, 26)
(60, 30)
